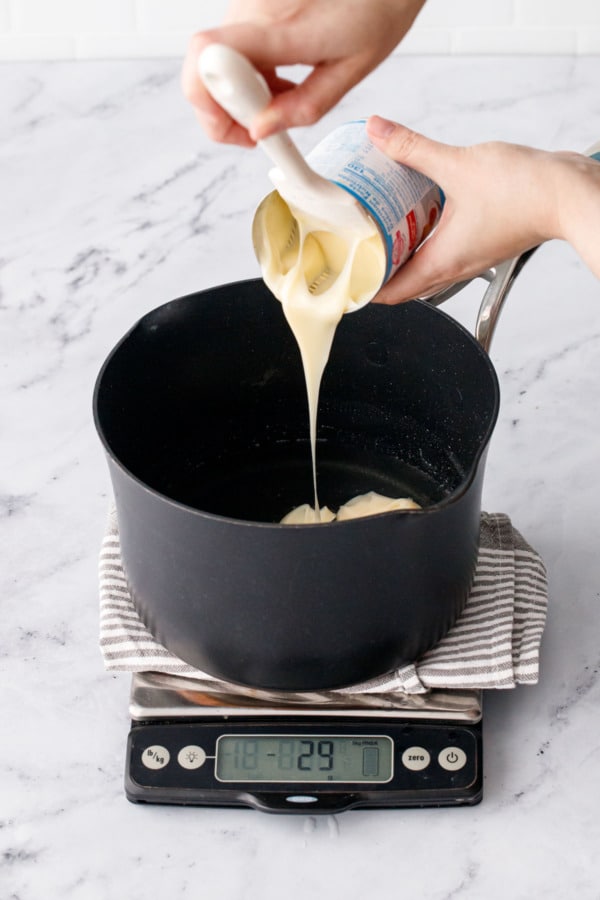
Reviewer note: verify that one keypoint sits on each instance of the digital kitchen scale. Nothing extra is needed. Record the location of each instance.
(195, 742)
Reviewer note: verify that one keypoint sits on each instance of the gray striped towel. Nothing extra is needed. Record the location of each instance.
(494, 644)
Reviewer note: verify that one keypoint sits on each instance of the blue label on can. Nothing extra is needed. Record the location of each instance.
(404, 203)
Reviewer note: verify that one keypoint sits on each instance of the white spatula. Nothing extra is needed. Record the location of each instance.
(236, 85)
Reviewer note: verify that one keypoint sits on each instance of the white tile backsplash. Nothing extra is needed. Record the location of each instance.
(37, 46)
(422, 41)
(452, 14)
(504, 41)
(557, 13)
(68, 17)
(185, 16)
(90, 45)
(92, 29)
(5, 20)
(588, 41)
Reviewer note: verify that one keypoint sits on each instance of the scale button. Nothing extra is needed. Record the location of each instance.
(416, 758)
(191, 757)
(452, 759)
(155, 757)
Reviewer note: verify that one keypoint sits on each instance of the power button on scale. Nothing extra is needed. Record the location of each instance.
(452, 759)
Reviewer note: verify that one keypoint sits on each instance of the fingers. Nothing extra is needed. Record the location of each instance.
(214, 120)
(191, 84)
(414, 279)
(293, 104)
(305, 103)
(433, 159)
(221, 127)
(440, 262)
(253, 42)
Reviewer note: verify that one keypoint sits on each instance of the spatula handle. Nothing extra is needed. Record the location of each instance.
(241, 90)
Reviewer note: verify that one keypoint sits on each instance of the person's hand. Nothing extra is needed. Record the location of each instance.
(342, 41)
(501, 200)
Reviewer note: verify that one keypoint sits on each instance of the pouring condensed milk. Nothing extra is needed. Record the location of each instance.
(337, 227)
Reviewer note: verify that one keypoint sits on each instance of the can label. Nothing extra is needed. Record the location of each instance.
(404, 203)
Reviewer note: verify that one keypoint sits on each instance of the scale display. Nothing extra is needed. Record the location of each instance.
(288, 766)
(303, 758)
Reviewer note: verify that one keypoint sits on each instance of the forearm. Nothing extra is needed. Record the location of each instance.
(501, 200)
(578, 206)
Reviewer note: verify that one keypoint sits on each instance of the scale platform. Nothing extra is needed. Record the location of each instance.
(196, 742)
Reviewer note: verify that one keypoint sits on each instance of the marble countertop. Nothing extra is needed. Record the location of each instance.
(114, 202)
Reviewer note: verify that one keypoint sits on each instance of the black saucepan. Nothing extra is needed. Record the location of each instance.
(203, 415)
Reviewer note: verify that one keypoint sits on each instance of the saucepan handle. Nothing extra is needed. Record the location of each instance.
(500, 280)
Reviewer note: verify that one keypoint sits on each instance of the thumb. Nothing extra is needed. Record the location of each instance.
(412, 149)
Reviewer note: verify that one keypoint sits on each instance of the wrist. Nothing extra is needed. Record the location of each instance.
(578, 205)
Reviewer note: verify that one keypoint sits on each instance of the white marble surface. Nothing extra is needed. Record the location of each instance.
(114, 202)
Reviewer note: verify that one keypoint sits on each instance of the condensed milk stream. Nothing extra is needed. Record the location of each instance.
(339, 225)
(319, 274)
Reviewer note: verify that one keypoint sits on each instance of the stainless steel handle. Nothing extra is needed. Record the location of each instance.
(500, 280)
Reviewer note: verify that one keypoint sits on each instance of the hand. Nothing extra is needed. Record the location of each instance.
(342, 41)
(501, 199)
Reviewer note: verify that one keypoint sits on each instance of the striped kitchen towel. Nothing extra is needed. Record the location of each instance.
(494, 644)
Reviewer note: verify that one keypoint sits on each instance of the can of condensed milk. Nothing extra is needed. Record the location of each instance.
(403, 204)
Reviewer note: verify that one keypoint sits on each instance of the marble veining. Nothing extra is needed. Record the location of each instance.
(113, 202)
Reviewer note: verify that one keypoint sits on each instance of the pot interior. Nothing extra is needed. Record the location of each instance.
(204, 401)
